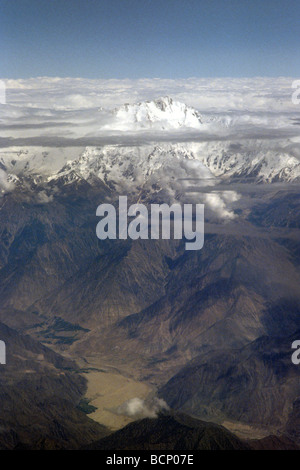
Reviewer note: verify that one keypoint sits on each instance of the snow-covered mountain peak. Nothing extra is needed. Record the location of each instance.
(161, 114)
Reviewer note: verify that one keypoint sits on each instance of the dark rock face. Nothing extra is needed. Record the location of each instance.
(293, 424)
(178, 431)
(212, 328)
(171, 432)
(283, 211)
(273, 443)
(39, 392)
(51, 263)
(255, 384)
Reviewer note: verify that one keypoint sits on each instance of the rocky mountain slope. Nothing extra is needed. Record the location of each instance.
(179, 432)
(256, 384)
(210, 328)
(170, 432)
(40, 391)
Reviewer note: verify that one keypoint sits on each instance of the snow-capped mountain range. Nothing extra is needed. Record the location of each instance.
(162, 164)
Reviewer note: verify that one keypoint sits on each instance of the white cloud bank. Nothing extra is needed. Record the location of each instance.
(56, 109)
(206, 94)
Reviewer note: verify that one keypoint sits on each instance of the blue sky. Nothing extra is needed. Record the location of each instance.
(149, 38)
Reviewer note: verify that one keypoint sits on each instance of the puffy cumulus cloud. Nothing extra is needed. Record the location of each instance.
(43, 198)
(138, 408)
(217, 203)
(6, 183)
(175, 176)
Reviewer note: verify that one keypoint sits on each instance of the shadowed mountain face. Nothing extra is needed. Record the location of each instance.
(227, 294)
(256, 384)
(292, 428)
(39, 394)
(171, 432)
(231, 290)
(178, 431)
(273, 443)
(282, 210)
(53, 263)
(220, 320)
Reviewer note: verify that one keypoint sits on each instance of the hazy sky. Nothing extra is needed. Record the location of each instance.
(149, 38)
